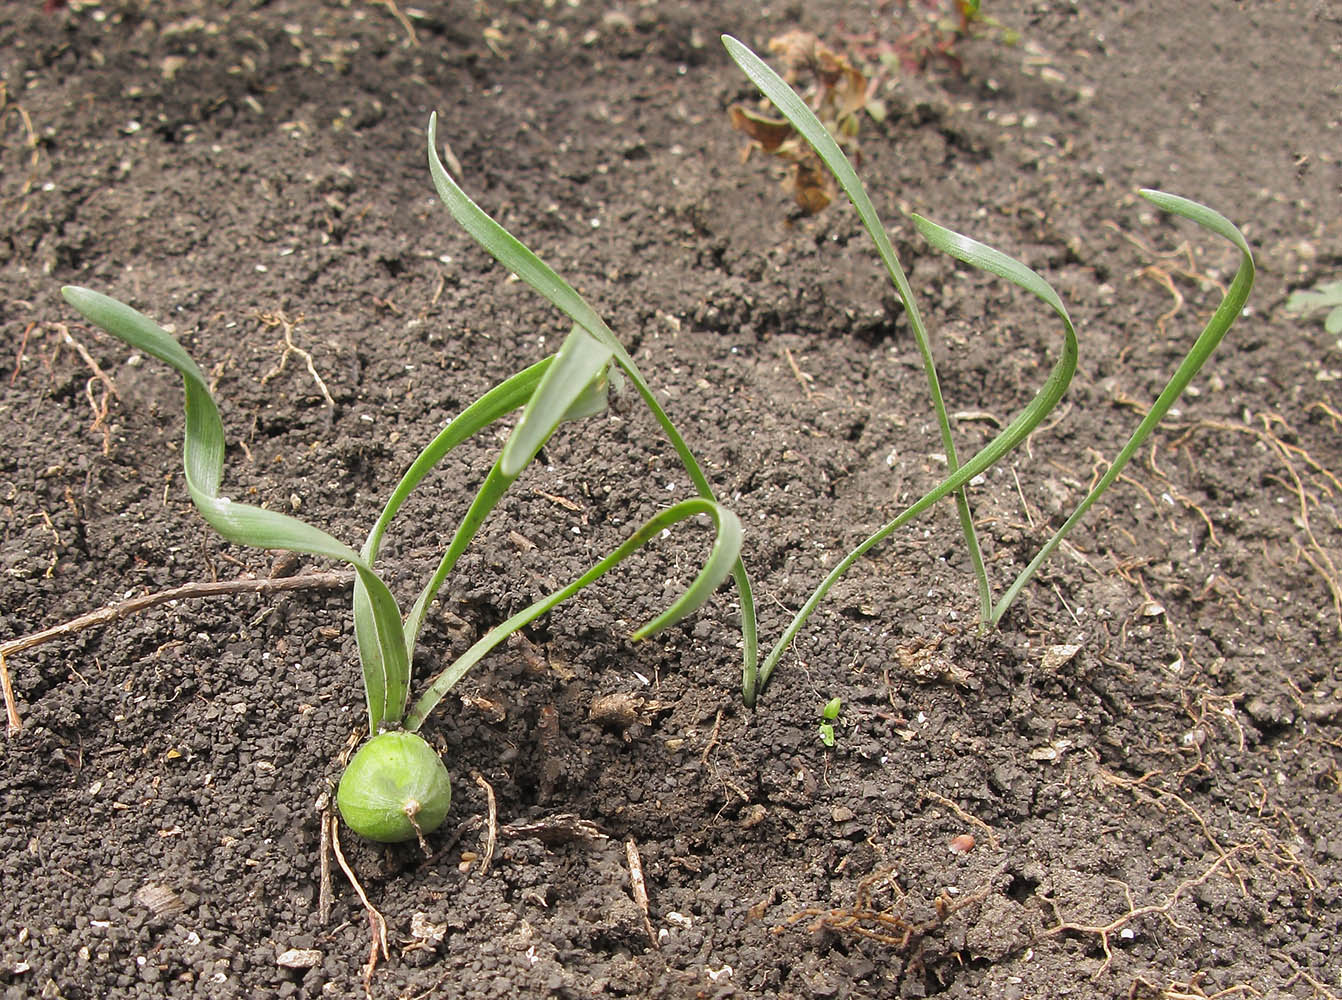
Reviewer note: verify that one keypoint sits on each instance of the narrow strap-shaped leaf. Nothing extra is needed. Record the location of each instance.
(203, 461)
(803, 119)
(519, 259)
(497, 403)
(1232, 303)
(979, 255)
(578, 367)
(725, 552)
(493, 405)
(567, 387)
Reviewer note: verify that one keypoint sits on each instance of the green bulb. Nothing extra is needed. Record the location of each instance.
(395, 788)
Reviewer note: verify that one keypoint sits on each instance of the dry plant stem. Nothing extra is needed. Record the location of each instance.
(865, 921)
(124, 609)
(1103, 931)
(327, 821)
(802, 378)
(1333, 415)
(411, 811)
(98, 406)
(561, 828)
(1319, 988)
(492, 827)
(639, 886)
(29, 140)
(411, 38)
(1318, 557)
(712, 738)
(1184, 250)
(1138, 786)
(376, 921)
(12, 721)
(18, 356)
(1162, 278)
(1189, 990)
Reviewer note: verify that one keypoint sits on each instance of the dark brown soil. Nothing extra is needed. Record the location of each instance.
(1156, 815)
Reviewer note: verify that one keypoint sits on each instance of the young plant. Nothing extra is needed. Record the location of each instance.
(795, 110)
(396, 787)
(1325, 297)
(837, 93)
(829, 714)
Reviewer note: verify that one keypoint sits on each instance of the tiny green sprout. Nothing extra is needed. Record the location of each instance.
(829, 713)
(396, 787)
(1325, 296)
(971, 252)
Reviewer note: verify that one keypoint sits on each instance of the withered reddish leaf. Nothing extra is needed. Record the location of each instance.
(770, 133)
(811, 186)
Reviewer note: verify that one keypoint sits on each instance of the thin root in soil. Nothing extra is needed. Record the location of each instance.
(1104, 932)
(287, 325)
(888, 925)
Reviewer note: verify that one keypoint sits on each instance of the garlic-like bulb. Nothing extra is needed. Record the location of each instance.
(395, 788)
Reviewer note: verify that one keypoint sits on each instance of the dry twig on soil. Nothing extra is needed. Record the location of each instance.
(966, 817)
(639, 887)
(123, 609)
(492, 827)
(886, 925)
(376, 921)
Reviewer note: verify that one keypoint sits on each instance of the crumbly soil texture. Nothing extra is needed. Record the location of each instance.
(1131, 788)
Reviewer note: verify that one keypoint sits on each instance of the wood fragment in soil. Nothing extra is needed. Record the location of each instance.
(326, 819)
(639, 886)
(558, 829)
(492, 824)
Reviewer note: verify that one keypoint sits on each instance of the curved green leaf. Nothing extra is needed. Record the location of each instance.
(203, 461)
(497, 403)
(492, 406)
(794, 109)
(574, 382)
(724, 554)
(1232, 303)
(516, 257)
(978, 254)
(578, 367)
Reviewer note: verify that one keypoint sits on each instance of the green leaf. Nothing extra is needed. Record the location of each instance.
(203, 461)
(485, 411)
(520, 260)
(574, 380)
(578, 367)
(501, 400)
(1326, 295)
(724, 554)
(795, 110)
(1229, 309)
(979, 255)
